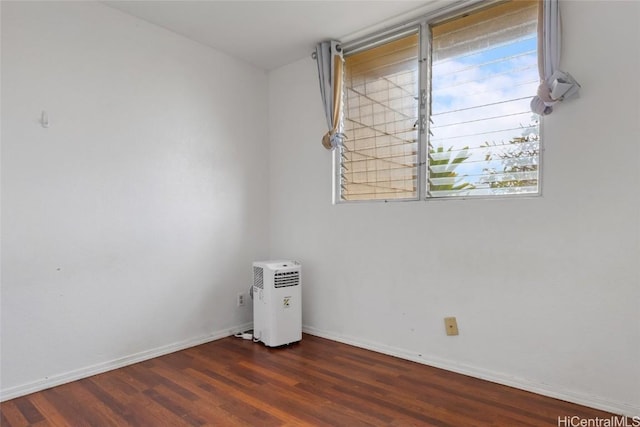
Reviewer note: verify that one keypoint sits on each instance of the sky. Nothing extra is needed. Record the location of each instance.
(483, 98)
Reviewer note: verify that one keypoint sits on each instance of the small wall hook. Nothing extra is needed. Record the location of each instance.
(44, 119)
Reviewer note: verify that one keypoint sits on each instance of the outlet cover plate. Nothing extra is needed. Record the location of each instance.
(451, 325)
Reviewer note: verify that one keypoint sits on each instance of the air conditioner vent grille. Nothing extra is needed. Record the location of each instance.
(258, 279)
(286, 278)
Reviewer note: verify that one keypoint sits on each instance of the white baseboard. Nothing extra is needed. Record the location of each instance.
(66, 377)
(495, 377)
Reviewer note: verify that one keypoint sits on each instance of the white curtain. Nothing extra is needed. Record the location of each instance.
(555, 84)
(330, 61)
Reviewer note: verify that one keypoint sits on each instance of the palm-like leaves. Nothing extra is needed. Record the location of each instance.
(442, 165)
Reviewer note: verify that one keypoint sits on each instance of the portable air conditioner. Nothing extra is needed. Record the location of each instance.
(277, 312)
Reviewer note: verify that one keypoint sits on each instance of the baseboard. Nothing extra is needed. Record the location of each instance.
(66, 377)
(495, 377)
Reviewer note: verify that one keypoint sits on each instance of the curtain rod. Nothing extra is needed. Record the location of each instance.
(391, 30)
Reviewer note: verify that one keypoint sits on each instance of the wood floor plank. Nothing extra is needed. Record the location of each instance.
(281, 414)
(373, 414)
(267, 374)
(203, 401)
(456, 398)
(75, 414)
(53, 417)
(30, 412)
(124, 375)
(238, 409)
(110, 401)
(317, 382)
(4, 421)
(149, 413)
(12, 416)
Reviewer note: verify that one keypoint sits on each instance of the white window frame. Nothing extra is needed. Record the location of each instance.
(423, 25)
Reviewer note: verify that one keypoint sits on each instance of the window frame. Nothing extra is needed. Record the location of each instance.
(423, 26)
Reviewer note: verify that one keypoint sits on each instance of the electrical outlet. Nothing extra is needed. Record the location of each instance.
(451, 325)
(241, 300)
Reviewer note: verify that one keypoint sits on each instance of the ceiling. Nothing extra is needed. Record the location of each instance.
(269, 34)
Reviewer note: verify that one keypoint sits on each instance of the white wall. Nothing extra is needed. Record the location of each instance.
(546, 290)
(131, 223)
(128, 225)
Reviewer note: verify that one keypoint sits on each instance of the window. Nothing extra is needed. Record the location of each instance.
(380, 155)
(441, 109)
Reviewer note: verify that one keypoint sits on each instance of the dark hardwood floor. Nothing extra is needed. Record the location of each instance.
(316, 382)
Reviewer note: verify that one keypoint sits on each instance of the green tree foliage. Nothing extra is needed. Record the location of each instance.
(519, 156)
(444, 167)
(515, 160)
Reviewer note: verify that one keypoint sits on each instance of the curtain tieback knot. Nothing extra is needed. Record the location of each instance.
(332, 139)
(562, 86)
(542, 103)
